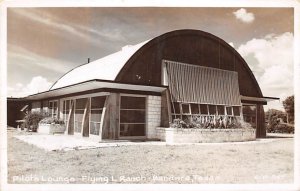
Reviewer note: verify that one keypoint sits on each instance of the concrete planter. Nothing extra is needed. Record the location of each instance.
(51, 128)
(179, 135)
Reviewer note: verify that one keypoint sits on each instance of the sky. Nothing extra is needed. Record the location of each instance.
(45, 43)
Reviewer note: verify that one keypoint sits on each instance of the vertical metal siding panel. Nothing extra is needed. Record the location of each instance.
(189, 83)
(205, 88)
(237, 93)
(200, 84)
(182, 86)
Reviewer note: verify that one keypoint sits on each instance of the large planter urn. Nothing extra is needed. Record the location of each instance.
(51, 128)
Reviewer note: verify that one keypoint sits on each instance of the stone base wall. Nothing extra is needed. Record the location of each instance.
(153, 115)
(177, 135)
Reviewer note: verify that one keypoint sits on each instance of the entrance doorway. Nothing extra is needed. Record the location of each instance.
(132, 117)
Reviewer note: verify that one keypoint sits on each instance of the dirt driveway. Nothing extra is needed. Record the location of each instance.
(263, 162)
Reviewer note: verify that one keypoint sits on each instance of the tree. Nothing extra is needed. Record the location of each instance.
(288, 105)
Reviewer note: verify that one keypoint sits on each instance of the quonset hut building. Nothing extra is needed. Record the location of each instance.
(130, 93)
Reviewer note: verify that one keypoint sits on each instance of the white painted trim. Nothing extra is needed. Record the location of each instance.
(132, 95)
(102, 120)
(87, 95)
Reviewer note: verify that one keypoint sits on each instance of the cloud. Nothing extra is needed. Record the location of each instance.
(18, 57)
(36, 85)
(244, 16)
(274, 57)
(58, 24)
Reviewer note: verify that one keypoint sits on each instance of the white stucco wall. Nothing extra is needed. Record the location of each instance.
(153, 115)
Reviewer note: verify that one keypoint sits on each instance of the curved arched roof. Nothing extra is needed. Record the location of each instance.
(144, 60)
(106, 68)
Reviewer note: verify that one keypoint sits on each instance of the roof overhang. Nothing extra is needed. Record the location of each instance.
(261, 100)
(92, 85)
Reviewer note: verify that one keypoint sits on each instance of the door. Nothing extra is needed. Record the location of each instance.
(132, 117)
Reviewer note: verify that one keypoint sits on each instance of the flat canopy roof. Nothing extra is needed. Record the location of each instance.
(258, 99)
(91, 85)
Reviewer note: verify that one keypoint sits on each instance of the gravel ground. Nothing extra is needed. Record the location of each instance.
(262, 162)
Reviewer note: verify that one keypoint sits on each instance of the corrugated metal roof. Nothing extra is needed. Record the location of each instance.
(106, 68)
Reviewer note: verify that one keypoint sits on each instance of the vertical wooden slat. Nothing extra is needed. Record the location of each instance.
(166, 116)
(70, 124)
(86, 119)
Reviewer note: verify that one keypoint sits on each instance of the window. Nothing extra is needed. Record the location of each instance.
(97, 105)
(79, 111)
(191, 111)
(67, 105)
(132, 116)
(229, 110)
(195, 108)
(203, 109)
(175, 109)
(221, 110)
(66, 110)
(236, 110)
(185, 108)
(212, 109)
(45, 106)
(53, 109)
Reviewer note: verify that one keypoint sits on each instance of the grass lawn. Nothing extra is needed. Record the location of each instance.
(260, 162)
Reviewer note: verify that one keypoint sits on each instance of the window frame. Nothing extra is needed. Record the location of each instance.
(53, 113)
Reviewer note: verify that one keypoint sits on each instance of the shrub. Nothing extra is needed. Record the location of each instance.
(32, 120)
(51, 120)
(281, 128)
(211, 122)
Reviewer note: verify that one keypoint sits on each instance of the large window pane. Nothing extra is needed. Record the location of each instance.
(185, 108)
(67, 105)
(55, 104)
(94, 128)
(236, 110)
(79, 115)
(212, 109)
(97, 102)
(175, 107)
(132, 116)
(80, 103)
(229, 110)
(96, 115)
(195, 108)
(132, 130)
(221, 110)
(203, 109)
(133, 102)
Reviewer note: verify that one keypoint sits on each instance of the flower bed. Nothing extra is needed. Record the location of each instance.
(181, 135)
